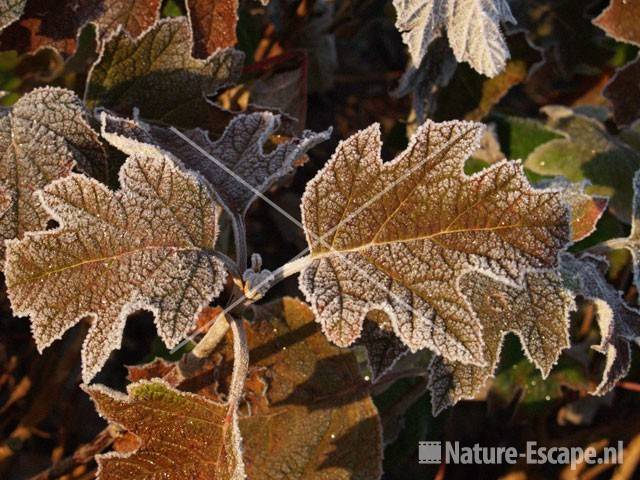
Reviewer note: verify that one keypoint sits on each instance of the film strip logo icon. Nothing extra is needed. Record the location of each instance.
(429, 452)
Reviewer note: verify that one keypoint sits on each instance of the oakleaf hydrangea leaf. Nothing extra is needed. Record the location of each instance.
(148, 245)
(157, 75)
(213, 23)
(472, 27)
(42, 138)
(181, 435)
(620, 21)
(397, 236)
(240, 149)
(588, 152)
(382, 345)
(618, 322)
(133, 16)
(10, 11)
(538, 314)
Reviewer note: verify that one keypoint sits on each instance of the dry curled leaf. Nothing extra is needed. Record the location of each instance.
(181, 435)
(618, 322)
(148, 245)
(397, 236)
(620, 21)
(538, 314)
(214, 25)
(42, 138)
(472, 27)
(143, 74)
(241, 149)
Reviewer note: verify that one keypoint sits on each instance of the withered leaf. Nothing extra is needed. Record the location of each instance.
(57, 24)
(148, 245)
(157, 75)
(10, 11)
(182, 435)
(538, 314)
(240, 149)
(588, 152)
(42, 138)
(383, 347)
(618, 322)
(620, 21)
(472, 27)
(397, 236)
(214, 25)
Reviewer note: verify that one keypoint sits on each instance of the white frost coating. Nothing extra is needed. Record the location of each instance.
(148, 245)
(618, 322)
(538, 314)
(472, 27)
(240, 149)
(398, 236)
(42, 137)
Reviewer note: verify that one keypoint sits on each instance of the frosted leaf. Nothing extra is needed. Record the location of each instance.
(148, 245)
(397, 236)
(42, 138)
(472, 27)
(588, 152)
(182, 435)
(240, 149)
(213, 23)
(57, 24)
(618, 322)
(623, 91)
(538, 314)
(620, 21)
(157, 75)
(10, 11)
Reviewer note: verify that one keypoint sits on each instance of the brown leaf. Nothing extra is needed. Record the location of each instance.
(620, 21)
(10, 11)
(148, 245)
(134, 16)
(214, 25)
(182, 435)
(42, 138)
(396, 236)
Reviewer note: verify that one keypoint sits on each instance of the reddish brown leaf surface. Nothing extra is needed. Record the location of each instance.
(213, 23)
(621, 20)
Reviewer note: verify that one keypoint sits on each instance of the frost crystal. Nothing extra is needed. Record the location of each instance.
(42, 138)
(148, 245)
(397, 236)
(537, 313)
(472, 26)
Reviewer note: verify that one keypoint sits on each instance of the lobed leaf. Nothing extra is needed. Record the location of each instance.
(588, 152)
(142, 74)
(623, 91)
(181, 435)
(538, 314)
(42, 138)
(241, 149)
(618, 322)
(397, 236)
(148, 245)
(472, 26)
